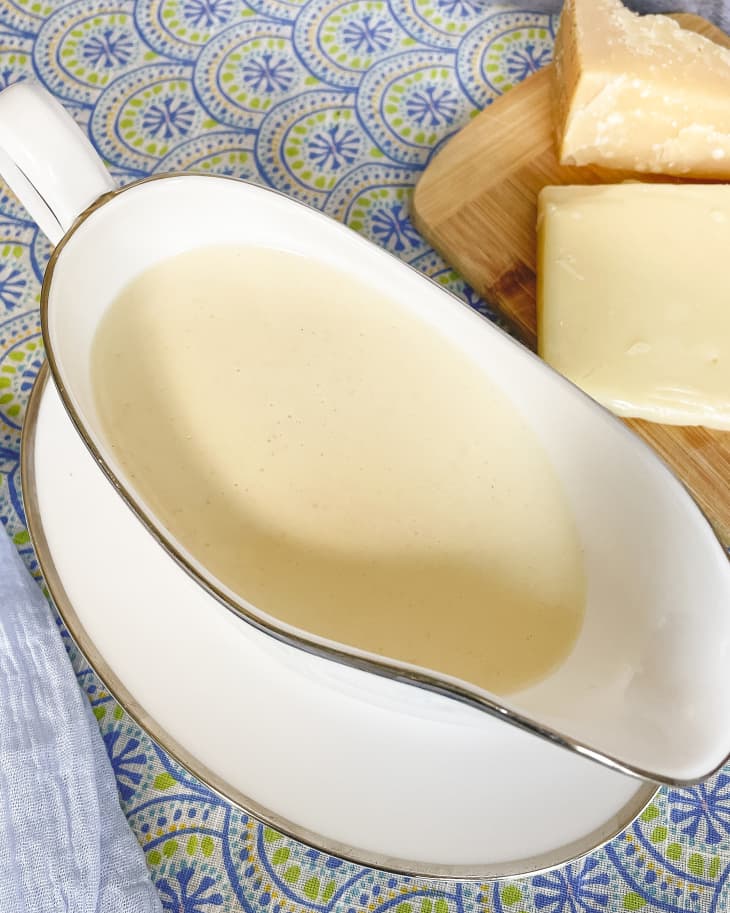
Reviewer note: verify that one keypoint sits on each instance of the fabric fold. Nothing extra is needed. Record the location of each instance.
(66, 845)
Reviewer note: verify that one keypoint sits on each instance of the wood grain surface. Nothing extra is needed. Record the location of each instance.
(476, 203)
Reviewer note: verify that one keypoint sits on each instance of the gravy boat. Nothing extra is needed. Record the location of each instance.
(646, 688)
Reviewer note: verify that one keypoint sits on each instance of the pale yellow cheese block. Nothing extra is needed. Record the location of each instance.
(634, 297)
(640, 93)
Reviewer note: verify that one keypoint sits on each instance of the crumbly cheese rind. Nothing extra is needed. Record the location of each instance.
(634, 299)
(640, 93)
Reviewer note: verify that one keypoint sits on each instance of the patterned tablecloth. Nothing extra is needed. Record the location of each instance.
(339, 103)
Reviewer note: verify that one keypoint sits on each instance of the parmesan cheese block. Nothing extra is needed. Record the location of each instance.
(640, 93)
(634, 297)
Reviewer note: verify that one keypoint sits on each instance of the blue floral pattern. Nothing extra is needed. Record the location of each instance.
(269, 73)
(461, 9)
(340, 103)
(575, 887)
(185, 893)
(367, 34)
(12, 284)
(704, 810)
(432, 106)
(127, 761)
(207, 13)
(334, 147)
(110, 48)
(392, 228)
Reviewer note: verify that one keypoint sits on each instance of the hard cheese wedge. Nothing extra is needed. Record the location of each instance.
(634, 297)
(640, 93)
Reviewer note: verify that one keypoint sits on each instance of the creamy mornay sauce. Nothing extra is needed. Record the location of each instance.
(339, 464)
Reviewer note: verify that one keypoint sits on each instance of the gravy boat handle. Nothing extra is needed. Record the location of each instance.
(46, 160)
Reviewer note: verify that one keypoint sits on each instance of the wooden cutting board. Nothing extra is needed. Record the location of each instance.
(476, 203)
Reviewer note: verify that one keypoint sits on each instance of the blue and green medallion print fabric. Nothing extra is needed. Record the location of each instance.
(340, 103)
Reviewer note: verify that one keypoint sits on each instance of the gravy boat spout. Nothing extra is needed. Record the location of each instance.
(646, 686)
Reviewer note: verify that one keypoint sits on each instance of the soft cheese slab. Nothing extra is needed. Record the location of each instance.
(640, 93)
(634, 297)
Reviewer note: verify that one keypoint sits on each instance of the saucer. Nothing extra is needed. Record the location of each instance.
(318, 751)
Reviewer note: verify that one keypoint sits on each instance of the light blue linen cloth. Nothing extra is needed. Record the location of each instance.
(65, 845)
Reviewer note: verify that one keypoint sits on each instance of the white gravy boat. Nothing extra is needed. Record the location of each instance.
(646, 688)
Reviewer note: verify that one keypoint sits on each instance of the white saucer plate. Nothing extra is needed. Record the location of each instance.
(342, 768)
